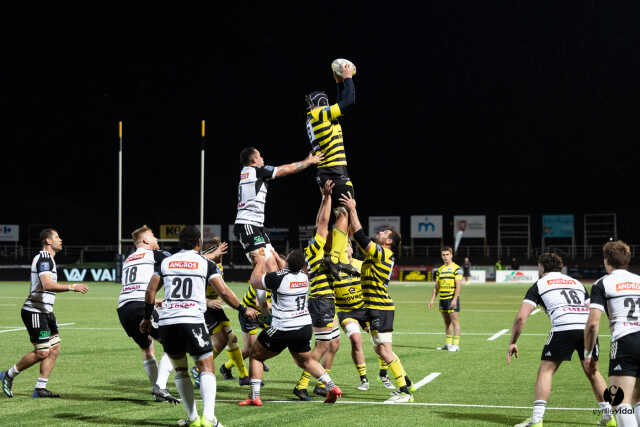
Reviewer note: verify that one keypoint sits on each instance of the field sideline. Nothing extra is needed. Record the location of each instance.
(100, 375)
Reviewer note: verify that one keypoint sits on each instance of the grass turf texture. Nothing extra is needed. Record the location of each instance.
(99, 370)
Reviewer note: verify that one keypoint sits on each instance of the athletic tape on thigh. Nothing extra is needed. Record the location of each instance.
(381, 337)
(324, 336)
(180, 364)
(351, 328)
(203, 356)
(55, 340)
(335, 332)
(43, 346)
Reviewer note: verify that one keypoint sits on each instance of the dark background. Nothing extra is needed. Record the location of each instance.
(466, 108)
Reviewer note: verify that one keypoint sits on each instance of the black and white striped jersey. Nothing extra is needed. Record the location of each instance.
(252, 194)
(564, 298)
(39, 300)
(137, 271)
(618, 295)
(289, 309)
(185, 276)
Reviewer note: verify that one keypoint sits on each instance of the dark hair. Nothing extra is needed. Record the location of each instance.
(617, 254)
(46, 234)
(396, 238)
(296, 260)
(246, 154)
(550, 262)
(316, 99)
(446, 248)
(189, 237)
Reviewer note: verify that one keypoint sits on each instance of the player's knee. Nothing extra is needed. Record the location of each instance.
(180, 364)
(42, 354)
(352, 330)
(381, 338)
(232, 341)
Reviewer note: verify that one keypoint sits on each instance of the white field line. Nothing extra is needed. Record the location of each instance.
(426, 380)
(497, 335)
(419, 404)
(22, 329)
(536, 311)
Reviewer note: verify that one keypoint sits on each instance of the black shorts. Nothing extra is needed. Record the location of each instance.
(40, 326)
(624, 357)
(250, 326)
(561, 345)
(298, 341)
(130, 315)
(251, 237)
(359, 314)
(466, 273)
(322, 311)
(192, 338)
(380, 320)
(445, 306)
(215, 319)
(342, 185)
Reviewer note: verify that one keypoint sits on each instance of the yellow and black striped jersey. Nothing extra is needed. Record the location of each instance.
(320, 285)
(375, 275)
(250, 298)
(325, 134)
(210, 291)
(348, 290)
(446, 277)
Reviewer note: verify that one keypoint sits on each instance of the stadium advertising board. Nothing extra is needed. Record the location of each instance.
(473, 226)
(9, 233)
(171, 231)
(557, 226)
(517, 276)
(478, 276)
(377, 222)
(84, 274)
(232, 236)
(426, 226)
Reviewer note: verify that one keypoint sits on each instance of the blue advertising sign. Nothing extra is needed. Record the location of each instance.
(557, 226)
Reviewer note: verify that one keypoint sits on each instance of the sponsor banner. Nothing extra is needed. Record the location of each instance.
(211, 231)
(414, 273)
(172, 231)
(473, 226)
(277, 234)
(557, 226)
(84, 274)
(529, 276)
(378, 222)
(9, 233)
(306, 232)
(426, 226)
(478, 276)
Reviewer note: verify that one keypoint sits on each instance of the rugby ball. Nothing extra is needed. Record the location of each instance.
(337, 65)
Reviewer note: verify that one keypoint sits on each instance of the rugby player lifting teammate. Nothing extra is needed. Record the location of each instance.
(325, 136)
(37, 316)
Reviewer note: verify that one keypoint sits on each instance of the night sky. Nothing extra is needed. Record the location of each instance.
(465, 108)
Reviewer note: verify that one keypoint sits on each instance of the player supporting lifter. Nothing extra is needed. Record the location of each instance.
(448, 286)
(322, 306)
(566, 302)
(325, 136)
(37, 316)
(375, 275)
(137, 272)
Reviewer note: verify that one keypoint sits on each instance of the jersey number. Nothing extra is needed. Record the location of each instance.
(130, 275)
(628, 302)
(300, 302)
(575, 298)
(181, 286)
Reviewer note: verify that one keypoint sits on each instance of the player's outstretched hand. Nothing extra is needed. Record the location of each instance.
(80, 287)
(430, 305)
(347, 71)
(315, 158)
(220, 250)
(337, 78)
(591, 365)
(158, 302)
(328, 186)
(513, 351)
(348, 201)
(145, 326)
(215, 304)
(251, 313)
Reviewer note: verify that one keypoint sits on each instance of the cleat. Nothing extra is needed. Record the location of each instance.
(302, 394)
(319, 390)
(400, 397)
(206, 423)
(43, 392)
(611, 422)
(226, 372)
(386, 382)
(163, 395)
(364, 385)
(412, 388)
(454, 348)
(333, 395)
(195, 374)
(443, 347)
(195, 423)
(529, 423)
(251, 402)
(265, 367)
(6, 383)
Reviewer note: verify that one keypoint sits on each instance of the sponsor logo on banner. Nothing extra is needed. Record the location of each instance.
(627, 286)
(473, 226)
(478, 276)
(376, 223)
(188, 265)
(96, 274)
(426, 226)
(9, 233)
(209, 231)
(171, 231)
(517, 276)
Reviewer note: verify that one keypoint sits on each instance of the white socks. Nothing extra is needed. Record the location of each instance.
(164, 370)
(13, 371)
(208, 393)
(185, 389)
(151, 368)
(636, 410)
(255, 388)
(42, 382)
(539, 407)
(326, 379)
(625, 417)
(605, 407)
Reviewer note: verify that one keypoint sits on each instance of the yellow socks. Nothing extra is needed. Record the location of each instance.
(235, 355)
(303, 382)
(449, 340)
(398, 372)
(229, 363)
(456, 340)
(383, 367)
(362, 370)
(339, 240)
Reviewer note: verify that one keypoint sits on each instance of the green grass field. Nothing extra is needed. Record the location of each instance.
(100, 376)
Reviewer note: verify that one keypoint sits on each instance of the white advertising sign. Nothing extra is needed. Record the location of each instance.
(209, 231)
(478, 276)
(474, 226)
(426, 226)
(529, 276)
(9, 233)
(375, 222)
